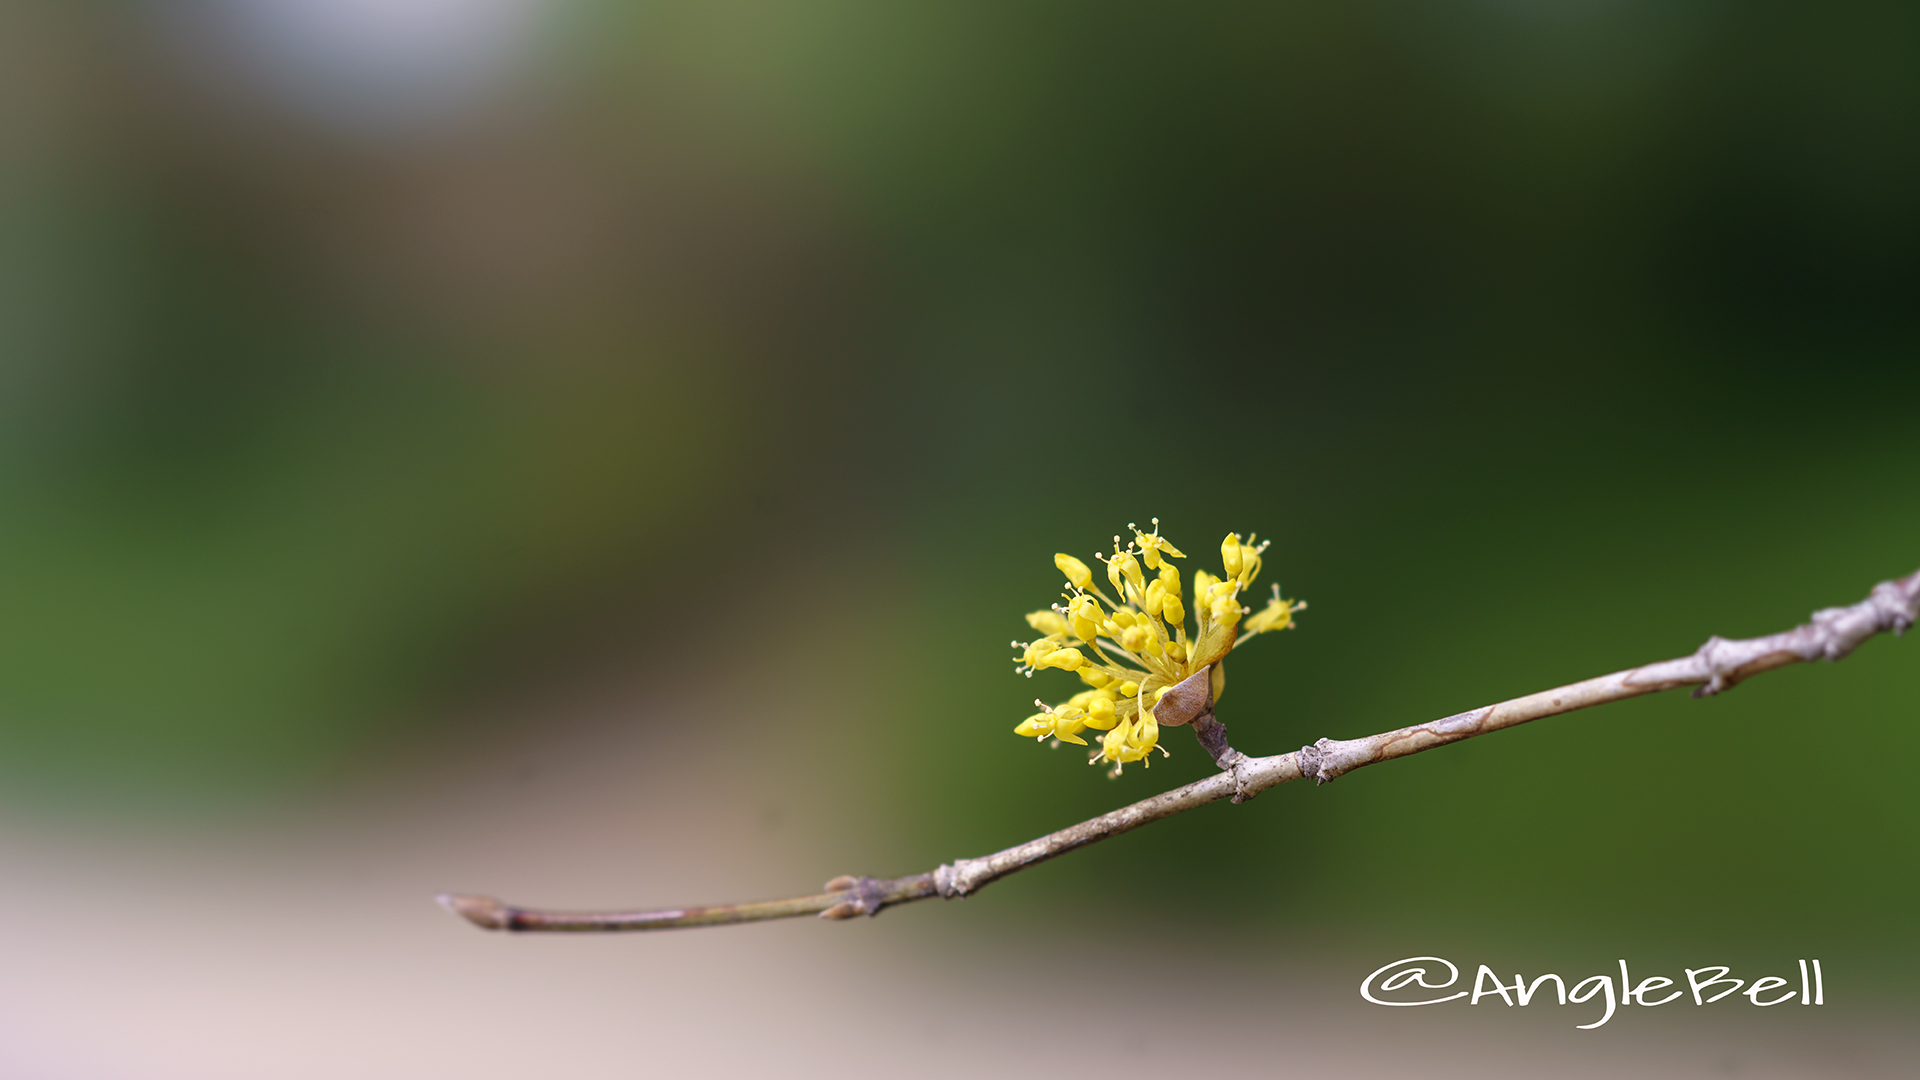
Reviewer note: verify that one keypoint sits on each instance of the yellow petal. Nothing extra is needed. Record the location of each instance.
(1047, 622)
(1076, 571)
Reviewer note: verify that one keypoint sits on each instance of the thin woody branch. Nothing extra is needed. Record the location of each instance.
(1713, 668)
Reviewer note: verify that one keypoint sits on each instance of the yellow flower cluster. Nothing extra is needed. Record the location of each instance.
(1130, 648)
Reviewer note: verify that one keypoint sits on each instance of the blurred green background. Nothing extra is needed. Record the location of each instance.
(358, 370)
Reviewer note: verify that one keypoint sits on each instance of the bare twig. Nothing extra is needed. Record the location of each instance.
(1714, 667)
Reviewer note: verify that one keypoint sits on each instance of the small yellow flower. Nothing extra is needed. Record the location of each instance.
(1124, 567)
(1153, 548)
(1136, 644)
(1277, 615)
(1064, 723)
(1086, 618)
(1119, 747)
(1156, 592)
(1039, 725)
(1242, 561)
(1100, 713)
(1068, 659)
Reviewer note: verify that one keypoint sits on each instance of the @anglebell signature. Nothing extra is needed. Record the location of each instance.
(1407, 983)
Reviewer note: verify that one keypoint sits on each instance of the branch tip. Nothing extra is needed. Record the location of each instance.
(482, 911)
